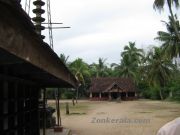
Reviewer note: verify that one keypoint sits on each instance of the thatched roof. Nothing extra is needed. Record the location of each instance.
(108, 83)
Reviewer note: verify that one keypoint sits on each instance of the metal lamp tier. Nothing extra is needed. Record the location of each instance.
(39, 19)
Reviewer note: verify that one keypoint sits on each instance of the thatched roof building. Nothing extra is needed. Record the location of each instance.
(111, 87)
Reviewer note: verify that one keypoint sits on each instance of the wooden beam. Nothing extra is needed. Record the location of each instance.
(19, 38)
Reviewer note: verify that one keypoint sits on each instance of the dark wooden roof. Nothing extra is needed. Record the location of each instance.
(24, 54)
(107, 83)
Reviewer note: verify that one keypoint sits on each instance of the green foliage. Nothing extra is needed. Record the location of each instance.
(153, 72)
(100, 69)
(50, 93)
(153, 93)
(148, 92)
(68, 94)
(131, 57)
(170, 41)
(159, 4)
(173, 87)
(80, 70)
(64, 59)
(159, 68)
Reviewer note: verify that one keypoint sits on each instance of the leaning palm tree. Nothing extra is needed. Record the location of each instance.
(159, 4)
(80, 70)
(170, 41)
(159, 69)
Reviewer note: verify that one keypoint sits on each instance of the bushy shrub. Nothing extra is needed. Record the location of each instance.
(67, 95)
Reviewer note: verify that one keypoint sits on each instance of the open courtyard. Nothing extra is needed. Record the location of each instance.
(142, 117)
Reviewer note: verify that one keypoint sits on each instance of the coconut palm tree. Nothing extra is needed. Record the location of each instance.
(159, 69)
(128, 69)
(133, 53)
(170, 41)
(159, 4)
(80, 70)
(131, 58)
(64, 59)
(100, 69)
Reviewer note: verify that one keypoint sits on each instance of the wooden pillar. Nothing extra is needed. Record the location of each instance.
(90, 95)
(44, 111)
(109, 96)
(58, 108)
(119, 96)
(59, 127)
(67, 108)
(126, 95)
(135, 94)
(100, 95)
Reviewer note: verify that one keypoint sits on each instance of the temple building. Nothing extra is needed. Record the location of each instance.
(27, 66)
(110, 88)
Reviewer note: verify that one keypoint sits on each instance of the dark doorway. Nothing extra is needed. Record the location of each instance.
(115, 95)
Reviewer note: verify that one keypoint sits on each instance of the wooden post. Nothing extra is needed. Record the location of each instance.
(110, 96)
(100, 95)
(73, 101)
(126, 95)
(77, 94)
(119, 96)
(59, 127)
(67, 108)
(136, 96)
(58, 109)
(44, 111)
(90, 95)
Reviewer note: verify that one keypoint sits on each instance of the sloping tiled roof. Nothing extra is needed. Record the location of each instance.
(106, 83)
(21, 46)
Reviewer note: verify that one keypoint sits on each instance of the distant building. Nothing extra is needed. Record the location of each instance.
(109, 88)
(27, 67)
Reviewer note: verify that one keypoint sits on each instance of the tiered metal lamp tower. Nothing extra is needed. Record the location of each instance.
(39, 19)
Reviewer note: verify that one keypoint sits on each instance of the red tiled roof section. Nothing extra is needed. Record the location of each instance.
(103, 84)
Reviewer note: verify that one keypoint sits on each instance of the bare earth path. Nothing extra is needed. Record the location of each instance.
(125, 118)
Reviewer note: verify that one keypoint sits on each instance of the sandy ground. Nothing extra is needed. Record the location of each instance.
(125, 118)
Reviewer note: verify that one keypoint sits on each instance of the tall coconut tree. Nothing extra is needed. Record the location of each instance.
(159, 4)
(100, 69)
(170, 41)
(128, 69)
(133, 53)
(131, 58)
(159, 69)
(80, 70)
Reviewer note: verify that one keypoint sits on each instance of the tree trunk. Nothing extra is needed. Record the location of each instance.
(77, 94)
(67, 108)
(73, 101)
(171, 94)
(161, 95)
(173, 20)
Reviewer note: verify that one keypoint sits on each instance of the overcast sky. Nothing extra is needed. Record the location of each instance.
(101, 28)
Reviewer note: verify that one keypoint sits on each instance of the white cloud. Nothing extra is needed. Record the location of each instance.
(101, 28)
